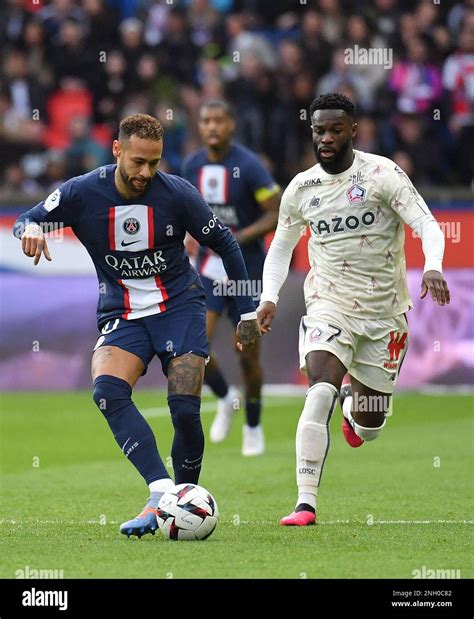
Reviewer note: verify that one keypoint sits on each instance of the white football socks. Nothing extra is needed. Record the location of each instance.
(312, 439)
(307, 497)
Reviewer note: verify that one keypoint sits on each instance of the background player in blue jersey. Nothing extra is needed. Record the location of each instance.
(132, 219)
(244, 196)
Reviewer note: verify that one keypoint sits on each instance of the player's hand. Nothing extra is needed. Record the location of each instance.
(34, 244)
(248, 333)
(434, 282)
(265, 314)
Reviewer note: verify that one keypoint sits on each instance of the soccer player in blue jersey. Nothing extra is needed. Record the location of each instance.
(132, 219)
(244, 196)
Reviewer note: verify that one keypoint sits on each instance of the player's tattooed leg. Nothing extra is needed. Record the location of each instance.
(185, 375)
(114, 361)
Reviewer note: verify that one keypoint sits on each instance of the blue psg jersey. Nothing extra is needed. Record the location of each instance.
(232, 188)
(136, 244)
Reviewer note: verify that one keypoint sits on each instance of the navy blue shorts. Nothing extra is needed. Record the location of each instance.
(179, 330)
(220, 303)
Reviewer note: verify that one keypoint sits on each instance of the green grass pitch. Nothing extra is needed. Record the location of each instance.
(386, 509)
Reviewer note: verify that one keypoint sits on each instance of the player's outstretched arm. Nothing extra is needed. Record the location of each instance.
(290, 227)
(60, 209)
(33, 243)
(405, 200)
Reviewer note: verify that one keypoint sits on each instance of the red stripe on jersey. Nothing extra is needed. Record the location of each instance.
(199, 181)
(112, 227)
(151, 229)
(164, 292)
(226, 185)
(126, 300)
(203, 264)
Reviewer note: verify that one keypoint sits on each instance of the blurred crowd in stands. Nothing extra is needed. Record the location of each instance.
(71, 69)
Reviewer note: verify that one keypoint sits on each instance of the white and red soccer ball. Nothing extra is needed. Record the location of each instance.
(188, 512)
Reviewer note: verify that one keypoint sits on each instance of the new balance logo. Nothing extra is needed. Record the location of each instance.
(123, 244)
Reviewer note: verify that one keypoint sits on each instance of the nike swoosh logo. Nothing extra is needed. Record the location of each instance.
(193, 461)
(123, 448)
(123, 244)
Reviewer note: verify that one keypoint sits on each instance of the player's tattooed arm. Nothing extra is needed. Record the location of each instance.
(248, 333)
(185, 375)
(434, 283)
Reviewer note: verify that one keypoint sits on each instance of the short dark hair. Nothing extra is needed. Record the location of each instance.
(333, 101)
(142, 125)
(220, 104)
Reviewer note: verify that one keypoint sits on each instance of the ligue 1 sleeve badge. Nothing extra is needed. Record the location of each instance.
(356, 194)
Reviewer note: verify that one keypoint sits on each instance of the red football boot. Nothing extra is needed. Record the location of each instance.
(351, 437)
(299, 519)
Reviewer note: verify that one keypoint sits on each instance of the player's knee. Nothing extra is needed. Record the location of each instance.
(185, 411)
(369, 433)
(111, 394)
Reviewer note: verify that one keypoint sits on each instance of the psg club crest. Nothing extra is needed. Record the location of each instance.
(356, 194)
(131, 225)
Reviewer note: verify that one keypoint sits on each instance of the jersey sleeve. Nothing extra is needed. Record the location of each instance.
(291, 226)
(408, 204)
(260, 181)
(62, 207)
(402, 197)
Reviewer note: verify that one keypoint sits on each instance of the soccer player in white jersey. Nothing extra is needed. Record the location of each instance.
(356, 293)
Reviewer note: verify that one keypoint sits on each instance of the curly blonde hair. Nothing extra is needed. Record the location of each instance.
(142, 125)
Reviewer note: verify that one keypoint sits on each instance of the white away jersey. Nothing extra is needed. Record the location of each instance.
(356, 249)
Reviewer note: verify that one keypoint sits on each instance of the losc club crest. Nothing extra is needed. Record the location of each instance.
(315, 335)
(356, 194)
(131, 225)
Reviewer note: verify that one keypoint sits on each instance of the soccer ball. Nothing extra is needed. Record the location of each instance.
(188, 512)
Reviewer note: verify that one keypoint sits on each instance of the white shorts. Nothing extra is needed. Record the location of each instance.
(371, 350)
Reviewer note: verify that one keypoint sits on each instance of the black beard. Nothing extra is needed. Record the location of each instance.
(128, 183)
(337, 159)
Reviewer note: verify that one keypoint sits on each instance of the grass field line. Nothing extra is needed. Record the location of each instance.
(259, 522)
